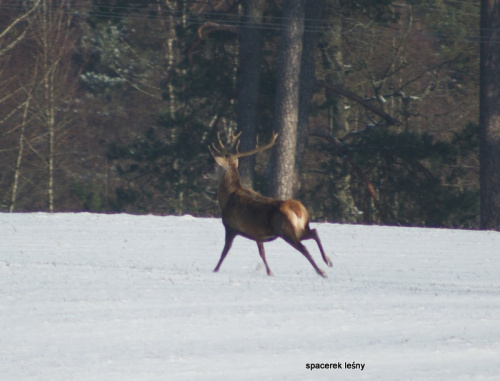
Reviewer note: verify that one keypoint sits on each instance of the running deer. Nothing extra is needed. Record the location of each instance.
(251, 215)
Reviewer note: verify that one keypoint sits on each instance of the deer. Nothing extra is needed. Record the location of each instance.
(249, 214)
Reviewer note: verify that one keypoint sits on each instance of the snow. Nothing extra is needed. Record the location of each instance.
(120, 297)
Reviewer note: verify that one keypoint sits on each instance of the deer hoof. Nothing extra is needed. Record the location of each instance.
(322, 273)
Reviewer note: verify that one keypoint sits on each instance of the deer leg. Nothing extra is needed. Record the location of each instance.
(327, 259)
(262, 253)
(313, 234)
(300, 247)
(229, 241)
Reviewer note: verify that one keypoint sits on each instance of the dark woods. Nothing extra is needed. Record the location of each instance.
(109, 106)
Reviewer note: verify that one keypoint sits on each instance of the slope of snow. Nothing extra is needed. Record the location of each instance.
(120, 297)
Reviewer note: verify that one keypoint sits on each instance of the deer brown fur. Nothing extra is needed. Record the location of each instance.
(251, 215)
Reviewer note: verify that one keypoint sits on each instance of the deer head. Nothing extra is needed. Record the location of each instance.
(226, 158)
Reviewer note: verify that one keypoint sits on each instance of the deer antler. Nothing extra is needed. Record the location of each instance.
(222, 150)
(258, 149)
(235, 144)
(235, 141)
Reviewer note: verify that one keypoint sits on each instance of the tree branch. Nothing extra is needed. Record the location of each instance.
(205, 30)
(356, 98)
(12, 25)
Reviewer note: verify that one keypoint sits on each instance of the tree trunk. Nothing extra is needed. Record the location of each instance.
(51, 130)
(287, 100)
(55, 44)
(49, 68)
(333, 64)
(168, 26)
(248, 83)
(313, 13)
(20, 154)
(332, 60)
(489, 118)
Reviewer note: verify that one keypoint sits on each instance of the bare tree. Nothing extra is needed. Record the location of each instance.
(490, 115)
(51, 24)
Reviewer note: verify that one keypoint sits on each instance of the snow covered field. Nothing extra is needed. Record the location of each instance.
(120, 297)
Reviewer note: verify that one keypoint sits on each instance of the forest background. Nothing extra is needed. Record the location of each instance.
(109, 106)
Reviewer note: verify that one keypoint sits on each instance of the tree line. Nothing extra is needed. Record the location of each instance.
(109, 106)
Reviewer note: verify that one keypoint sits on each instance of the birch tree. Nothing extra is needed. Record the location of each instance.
(52, 31)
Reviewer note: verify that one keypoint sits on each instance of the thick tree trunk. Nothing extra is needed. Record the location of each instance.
(490, 115)
(248, 83)
(287, 100)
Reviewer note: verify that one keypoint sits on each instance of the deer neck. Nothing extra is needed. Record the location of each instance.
(229, 183)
